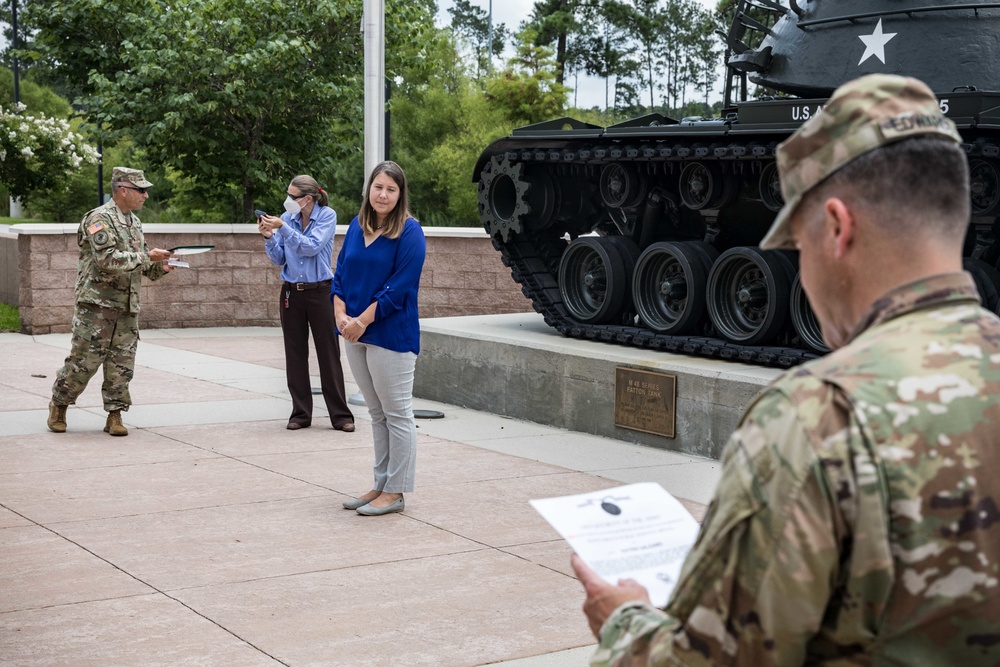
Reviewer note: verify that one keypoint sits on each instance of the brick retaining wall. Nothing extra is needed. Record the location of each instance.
(236, 284)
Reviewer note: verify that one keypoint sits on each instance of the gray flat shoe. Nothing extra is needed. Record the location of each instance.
(395, 506)
(354, 503)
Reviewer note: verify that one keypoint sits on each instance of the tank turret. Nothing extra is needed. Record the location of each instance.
(813, 47)
(645, 233)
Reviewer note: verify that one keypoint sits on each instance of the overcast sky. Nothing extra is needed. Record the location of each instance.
(512, 12)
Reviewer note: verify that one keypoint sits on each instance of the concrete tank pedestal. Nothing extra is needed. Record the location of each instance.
(516, 365)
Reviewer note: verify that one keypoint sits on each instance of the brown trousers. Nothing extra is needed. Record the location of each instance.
(300, 312)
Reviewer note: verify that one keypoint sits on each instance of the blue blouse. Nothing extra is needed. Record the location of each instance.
(304, 257)
(387, 271)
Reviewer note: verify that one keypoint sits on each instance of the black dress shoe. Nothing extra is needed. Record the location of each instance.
(293, 426)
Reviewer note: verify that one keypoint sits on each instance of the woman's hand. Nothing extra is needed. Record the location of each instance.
(352, 329)
(264, 228)
(267, 224)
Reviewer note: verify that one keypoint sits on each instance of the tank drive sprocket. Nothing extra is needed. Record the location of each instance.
(503, 197)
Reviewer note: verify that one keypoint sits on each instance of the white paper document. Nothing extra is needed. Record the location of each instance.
(638, 531)
(177, 262)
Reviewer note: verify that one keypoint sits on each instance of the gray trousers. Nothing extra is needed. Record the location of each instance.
(386, 381)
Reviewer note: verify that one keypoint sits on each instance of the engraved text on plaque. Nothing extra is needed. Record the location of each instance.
(645, 401)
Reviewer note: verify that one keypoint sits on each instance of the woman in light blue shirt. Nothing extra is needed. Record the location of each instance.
(375, 300)
(301, 243)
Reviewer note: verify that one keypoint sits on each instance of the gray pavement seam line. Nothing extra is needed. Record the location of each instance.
(108, 466)
(305, 573)
(254, 465)
(148, 585)
(185, 509)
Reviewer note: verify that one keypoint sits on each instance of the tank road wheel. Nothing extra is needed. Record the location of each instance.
(669, 287)
(629, 251)
(804, 319)
(508, 198)
(704, 186)
(984, 181)
(987, 281)
(770, 187)
(748, 291)
(620, 185)
(592, 280)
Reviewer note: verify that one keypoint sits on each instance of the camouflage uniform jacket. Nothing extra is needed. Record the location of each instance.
(113, 259)
(856, 520)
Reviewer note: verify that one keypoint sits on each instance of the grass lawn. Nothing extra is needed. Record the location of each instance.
(9, 320)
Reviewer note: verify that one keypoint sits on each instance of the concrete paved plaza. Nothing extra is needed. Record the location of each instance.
(211, 535)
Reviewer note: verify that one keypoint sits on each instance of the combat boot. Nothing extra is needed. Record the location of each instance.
(57, 417)
(114, 424)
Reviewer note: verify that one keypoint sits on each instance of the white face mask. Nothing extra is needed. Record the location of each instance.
(292, 206)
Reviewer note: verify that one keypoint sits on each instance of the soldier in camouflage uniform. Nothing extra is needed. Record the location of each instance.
(856, 520)
(113, 259)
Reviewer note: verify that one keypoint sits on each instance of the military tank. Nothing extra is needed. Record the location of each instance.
(646, 233)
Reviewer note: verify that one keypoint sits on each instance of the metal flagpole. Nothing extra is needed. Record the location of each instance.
(373, 27)
(15, 204)
(374, 36)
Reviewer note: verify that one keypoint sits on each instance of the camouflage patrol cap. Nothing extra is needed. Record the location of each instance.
(133, 176)
(860, 116)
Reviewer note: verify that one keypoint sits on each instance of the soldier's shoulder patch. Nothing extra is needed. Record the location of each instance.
(101, 237)
(96, 227)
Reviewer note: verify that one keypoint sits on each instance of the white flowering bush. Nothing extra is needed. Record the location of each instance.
(37, 153)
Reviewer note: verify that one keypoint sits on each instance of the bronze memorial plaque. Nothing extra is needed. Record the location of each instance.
(645, 401)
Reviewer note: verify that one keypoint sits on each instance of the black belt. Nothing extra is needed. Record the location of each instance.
(300, 287)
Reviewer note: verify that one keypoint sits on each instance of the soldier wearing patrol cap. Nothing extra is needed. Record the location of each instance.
(113, 259)
(856, 520)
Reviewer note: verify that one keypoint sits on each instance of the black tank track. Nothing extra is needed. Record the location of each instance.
(533, 255)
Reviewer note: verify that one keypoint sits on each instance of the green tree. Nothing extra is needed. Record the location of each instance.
(705, 55)
(424, 115)
(38, 152)
(527, 90)
(36, 98)
(478, 122)
(556, 22)
(649, 22)
(231, 97)
(606, 45)
(471, 25)
(232, 93)
(674, 40)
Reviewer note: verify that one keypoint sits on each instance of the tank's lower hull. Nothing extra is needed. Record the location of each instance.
(647, 236)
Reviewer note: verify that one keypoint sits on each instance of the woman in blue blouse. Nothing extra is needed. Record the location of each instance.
(301, 243)
(375, 300)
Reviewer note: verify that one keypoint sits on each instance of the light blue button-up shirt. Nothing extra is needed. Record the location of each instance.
(304, 256)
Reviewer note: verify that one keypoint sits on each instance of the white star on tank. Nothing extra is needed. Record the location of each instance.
(875, 43)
